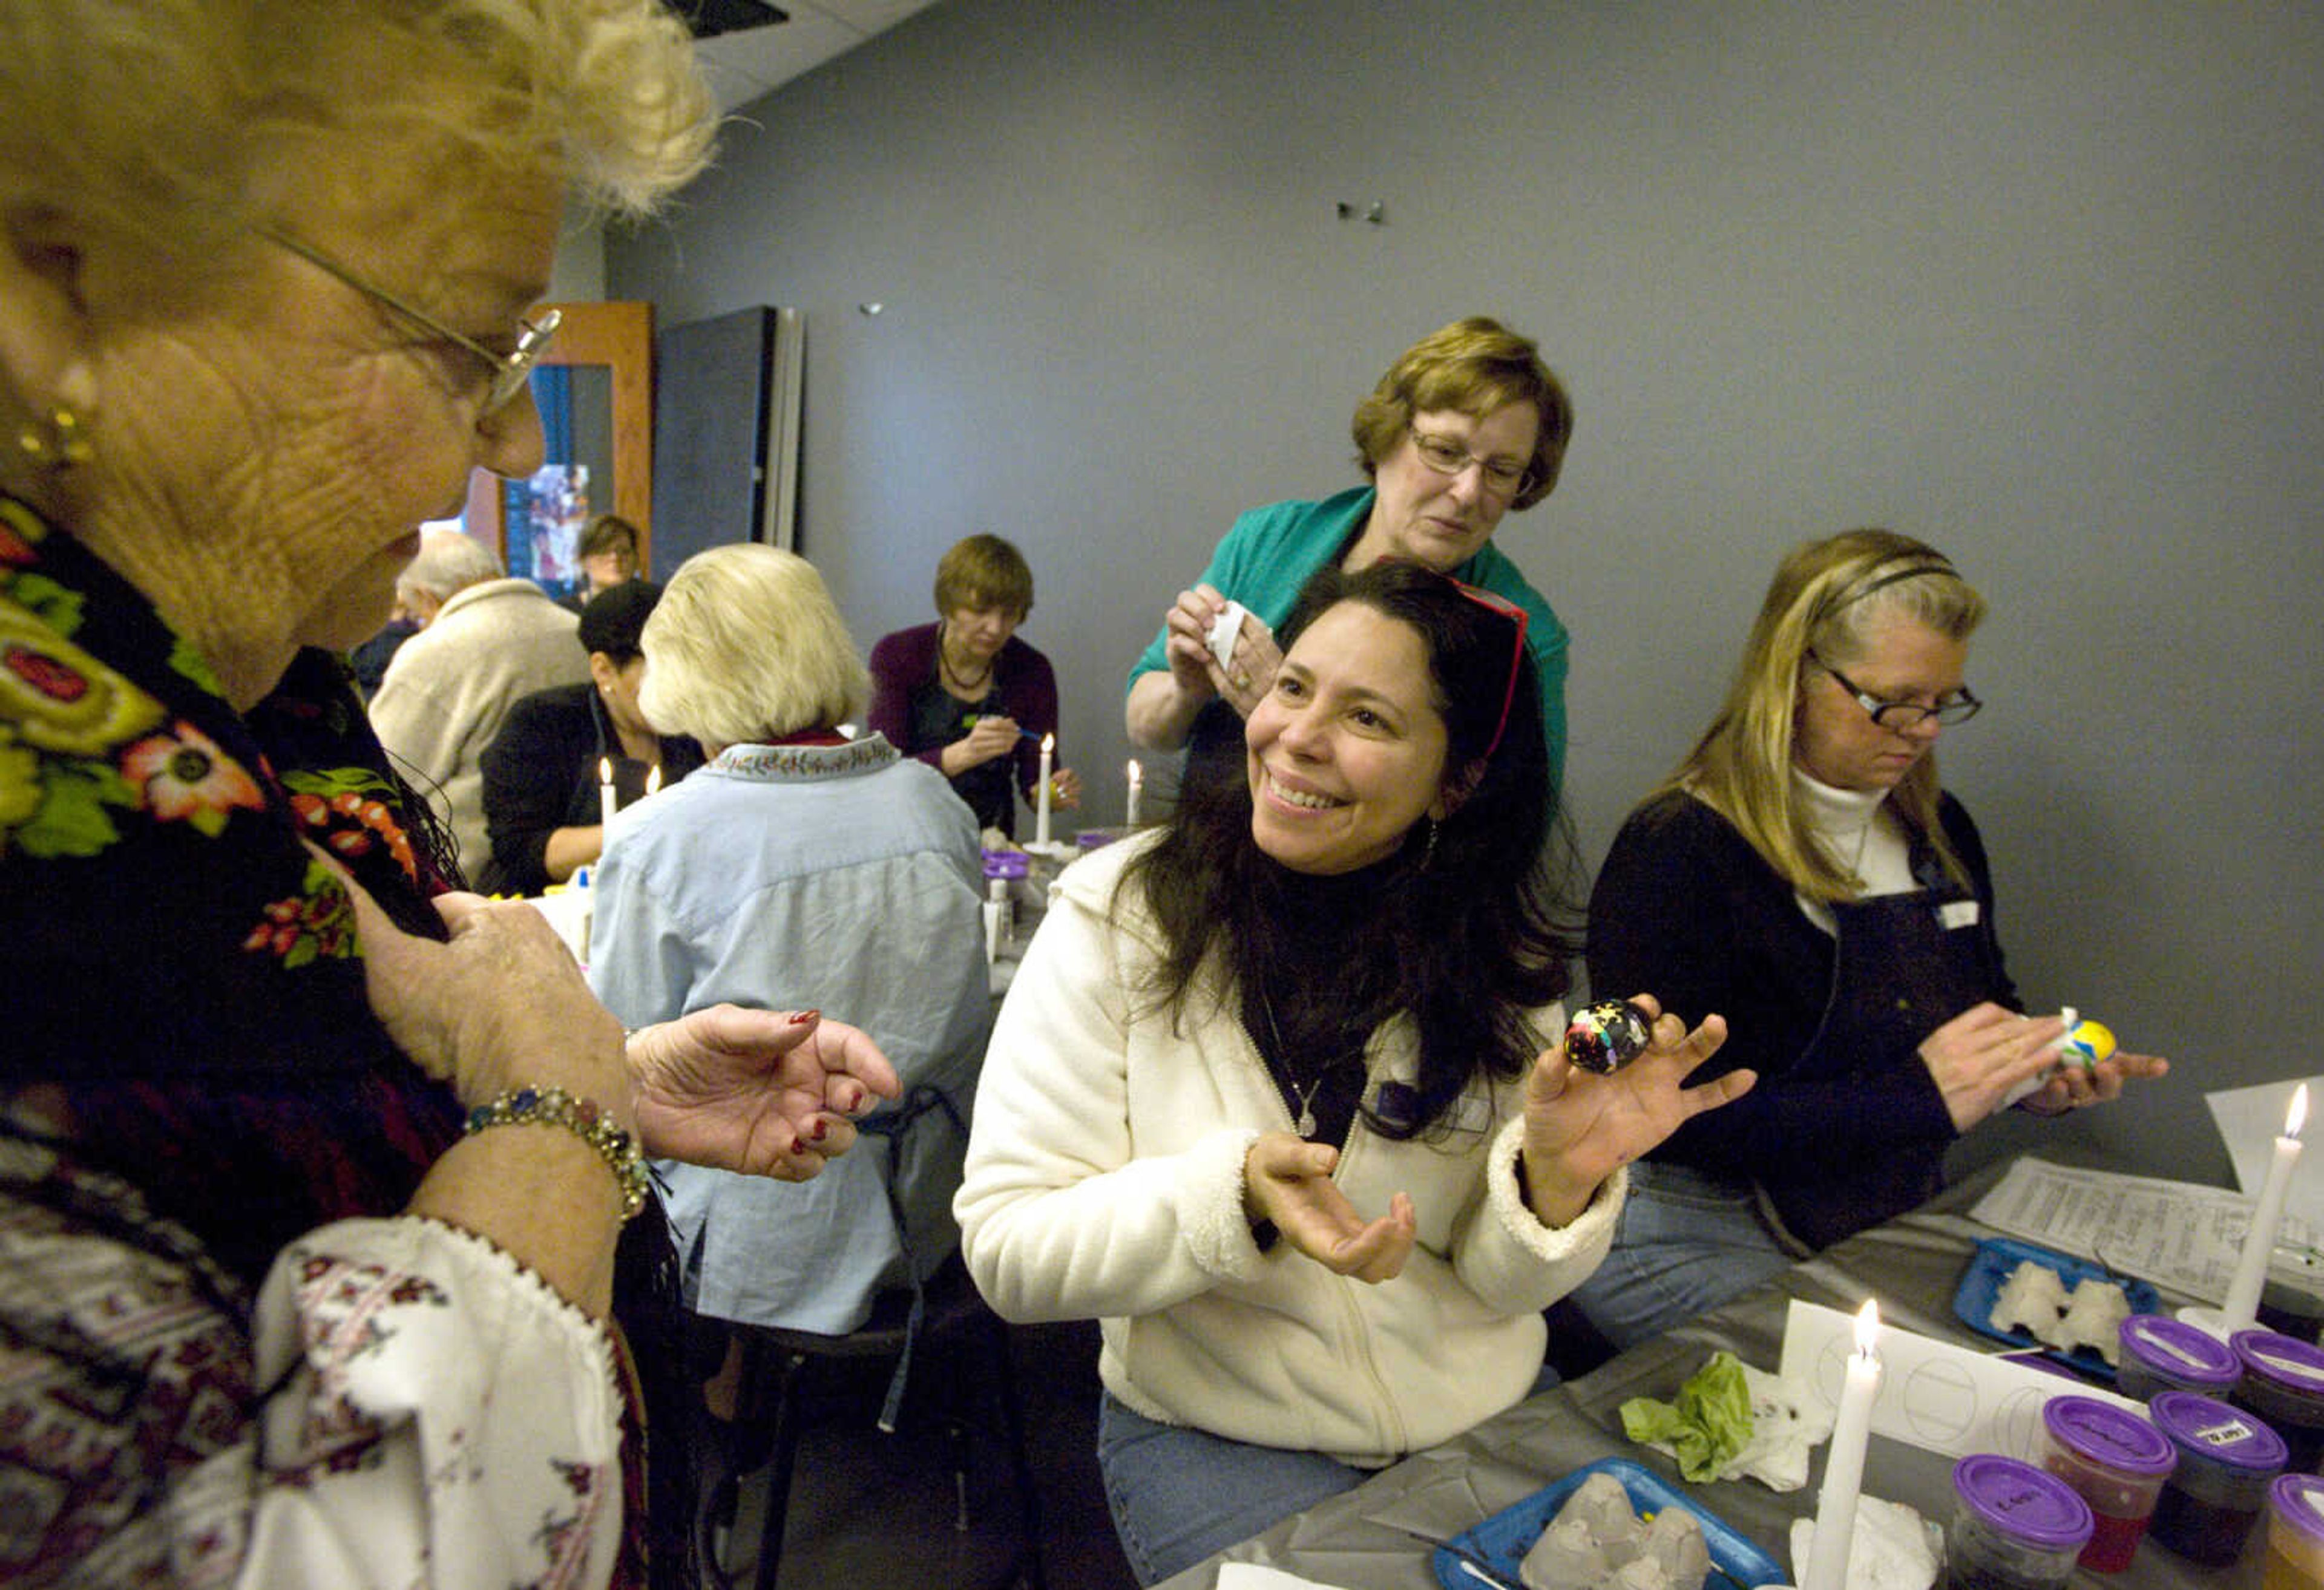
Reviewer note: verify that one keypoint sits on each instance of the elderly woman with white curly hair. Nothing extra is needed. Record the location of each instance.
(314, 1173)
(798, 868)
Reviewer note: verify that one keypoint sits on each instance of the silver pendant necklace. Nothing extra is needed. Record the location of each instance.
(1305, 1126)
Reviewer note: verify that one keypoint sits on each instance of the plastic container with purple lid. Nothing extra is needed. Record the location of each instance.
(2295, 1534)
(2226, 1457)
(2015, 1527)
(2284, 1383)
(2116, 1462)
(1007, 864)
(2160, 1353)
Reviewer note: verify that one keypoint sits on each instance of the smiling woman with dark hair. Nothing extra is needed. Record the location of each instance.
(1295, 1045)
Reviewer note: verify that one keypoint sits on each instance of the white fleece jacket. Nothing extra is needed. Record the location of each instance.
(1105, 1179)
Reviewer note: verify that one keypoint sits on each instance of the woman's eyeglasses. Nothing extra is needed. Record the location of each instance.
(1516, 615)
(510, 371)
(1900, 715)
(1503, 477)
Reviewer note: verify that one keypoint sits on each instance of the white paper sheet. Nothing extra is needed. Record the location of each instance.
(2175, 1233)
(1933, 1395)
(2250, 1119)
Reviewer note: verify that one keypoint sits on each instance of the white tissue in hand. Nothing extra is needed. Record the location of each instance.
(1892, 1548)
(2093, 1319)
(2032, 1299)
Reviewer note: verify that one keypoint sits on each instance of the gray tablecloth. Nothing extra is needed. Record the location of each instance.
(1912, 1265)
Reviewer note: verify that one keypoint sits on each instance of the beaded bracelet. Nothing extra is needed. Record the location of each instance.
(554, 1106)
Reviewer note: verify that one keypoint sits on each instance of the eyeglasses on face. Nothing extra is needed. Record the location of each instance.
(1504, 477)
(510, 371)
(1516, 615)
(1900, 715)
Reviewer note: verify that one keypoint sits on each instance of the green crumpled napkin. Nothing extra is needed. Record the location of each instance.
(1706, 1427)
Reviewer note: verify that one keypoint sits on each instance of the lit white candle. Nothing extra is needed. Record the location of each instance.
(1041, 798)
(605, 807)
(1843, 1463)
(2242, 1307)
(1137, 787)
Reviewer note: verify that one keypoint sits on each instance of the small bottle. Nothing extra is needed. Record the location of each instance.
(2014, 1528)
(2227, 1458)
(2284, 1383)
(2295, 1534)
(2160, 1353)
(2116, 1462)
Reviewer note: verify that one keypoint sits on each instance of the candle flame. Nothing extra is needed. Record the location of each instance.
(1868, 1325)
(2297, 1116)
(1136, 773)
(605, 770)
(653, 780)
(1048, 742)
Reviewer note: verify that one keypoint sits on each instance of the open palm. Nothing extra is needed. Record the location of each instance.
(1580, 1127)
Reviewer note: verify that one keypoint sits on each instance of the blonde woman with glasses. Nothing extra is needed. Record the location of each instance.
(1803, 874)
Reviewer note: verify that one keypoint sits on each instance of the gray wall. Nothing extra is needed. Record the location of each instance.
(2040, 283)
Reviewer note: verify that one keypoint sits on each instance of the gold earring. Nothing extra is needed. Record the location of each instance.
(60, 443)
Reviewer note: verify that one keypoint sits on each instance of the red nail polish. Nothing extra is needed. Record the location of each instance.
(800, 1018)
(819, 1130)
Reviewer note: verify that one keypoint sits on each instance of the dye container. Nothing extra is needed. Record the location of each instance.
(2116, 1462)
(2160, 1353)
(2295, 1534)
(2014, 1527)
(2226, 1459)
(2284, 1383)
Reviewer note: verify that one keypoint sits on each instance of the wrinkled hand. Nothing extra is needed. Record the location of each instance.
(1979, 1056)
(1580, 1127)
(1288, 1180)
(988, 737)
(502, 1005)
(2073, 1088)
(1065, 789)
(763, 1093)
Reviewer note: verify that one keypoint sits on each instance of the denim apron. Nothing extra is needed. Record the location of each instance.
(1902, 965)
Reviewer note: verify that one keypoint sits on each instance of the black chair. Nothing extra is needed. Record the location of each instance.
(940, 1335)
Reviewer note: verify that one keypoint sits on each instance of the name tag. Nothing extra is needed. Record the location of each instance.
(1957, 914)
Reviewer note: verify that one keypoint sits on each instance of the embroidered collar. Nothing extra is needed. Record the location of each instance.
(782, 764)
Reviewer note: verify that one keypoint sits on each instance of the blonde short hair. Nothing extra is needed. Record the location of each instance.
(179, 124)
(747, 646)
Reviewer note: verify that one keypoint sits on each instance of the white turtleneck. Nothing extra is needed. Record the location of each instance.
(1861, 834)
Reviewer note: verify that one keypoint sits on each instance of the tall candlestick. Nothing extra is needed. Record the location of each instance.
(1137, 787)
(2242, 1307)
(1041, 802)
(605, 807)
(1843, 1463)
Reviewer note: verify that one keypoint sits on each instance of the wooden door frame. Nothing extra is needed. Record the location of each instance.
(620, 337)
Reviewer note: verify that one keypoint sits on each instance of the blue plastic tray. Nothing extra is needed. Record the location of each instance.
(1503, 1539)
(1989, 1269)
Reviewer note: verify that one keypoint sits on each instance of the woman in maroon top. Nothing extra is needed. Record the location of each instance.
(967, 697)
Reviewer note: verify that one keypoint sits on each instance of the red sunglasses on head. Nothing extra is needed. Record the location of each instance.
(1516, 616)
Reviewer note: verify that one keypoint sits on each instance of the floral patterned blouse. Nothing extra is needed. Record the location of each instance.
(225, 1358)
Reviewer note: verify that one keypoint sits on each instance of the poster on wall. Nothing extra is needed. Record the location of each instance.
(545, 515)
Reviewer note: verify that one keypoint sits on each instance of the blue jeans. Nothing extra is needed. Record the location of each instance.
(1686, 1241)
(1180, 1494)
